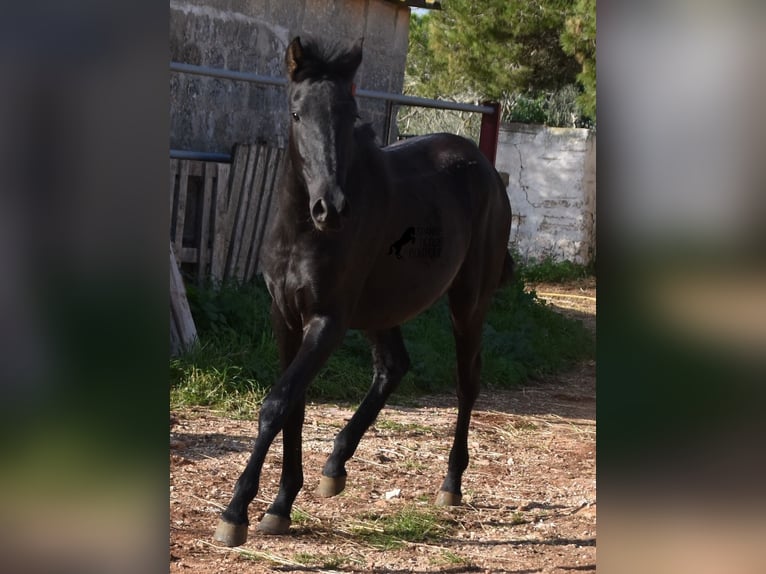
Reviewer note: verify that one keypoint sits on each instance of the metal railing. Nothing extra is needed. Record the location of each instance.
(389, 98)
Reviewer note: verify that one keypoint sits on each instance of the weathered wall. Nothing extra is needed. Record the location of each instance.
(251, 36)
(551, 182)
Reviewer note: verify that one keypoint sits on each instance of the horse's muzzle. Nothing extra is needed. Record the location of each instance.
(328, 215)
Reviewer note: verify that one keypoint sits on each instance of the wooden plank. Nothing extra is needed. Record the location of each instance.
(238, 170)
(272, 174)
(266, 162)
(181, 318)
(173, 174)
(240, 213)
(206, 199)
(246, 205)
(218, 255)
(188, 255)
(196, 167)
(239, 173)
(248, 233)
(266, 209)
(180, 214)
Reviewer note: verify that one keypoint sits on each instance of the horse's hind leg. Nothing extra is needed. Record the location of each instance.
(390, 363)
(467, 320)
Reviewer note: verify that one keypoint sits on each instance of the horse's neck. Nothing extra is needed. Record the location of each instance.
(293, 196)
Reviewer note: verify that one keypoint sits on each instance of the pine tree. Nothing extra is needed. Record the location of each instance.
(506, 50)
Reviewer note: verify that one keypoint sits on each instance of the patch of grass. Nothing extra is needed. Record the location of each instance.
(524, 337)
(324, 561)
(236, 362)
(299, 516)
(304, 558)
(414, 465)
(521, 427)
(398, 427)
(518, 518)
(449, 558)
(548, 270)
(409, 524)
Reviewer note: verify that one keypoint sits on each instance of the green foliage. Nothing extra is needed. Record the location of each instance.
(523, 337)
(498, 47)
(549, 270)
(528, 109)
(564, 108)
(560, 108)
(506, 50)
(579, 39)
(236, 361)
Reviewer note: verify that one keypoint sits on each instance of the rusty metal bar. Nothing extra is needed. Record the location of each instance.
(490, 132)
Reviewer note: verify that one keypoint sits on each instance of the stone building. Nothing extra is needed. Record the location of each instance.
(211, 115)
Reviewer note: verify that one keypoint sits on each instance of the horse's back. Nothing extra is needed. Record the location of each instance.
(448, 156)
(433, 153)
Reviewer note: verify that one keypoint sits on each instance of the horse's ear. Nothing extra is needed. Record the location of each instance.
(294, 57)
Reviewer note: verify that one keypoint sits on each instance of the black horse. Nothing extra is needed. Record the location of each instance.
(342, 202)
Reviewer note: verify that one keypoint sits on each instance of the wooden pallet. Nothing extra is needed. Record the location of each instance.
(219, 212)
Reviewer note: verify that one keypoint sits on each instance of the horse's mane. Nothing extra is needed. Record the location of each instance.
(325, 59)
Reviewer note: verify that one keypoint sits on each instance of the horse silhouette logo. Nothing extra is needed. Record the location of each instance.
(407, 237)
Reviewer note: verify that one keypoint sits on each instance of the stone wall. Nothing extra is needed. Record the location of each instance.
(209, 114)
(551, 182)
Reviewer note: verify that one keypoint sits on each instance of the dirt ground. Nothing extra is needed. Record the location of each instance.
(529, 491)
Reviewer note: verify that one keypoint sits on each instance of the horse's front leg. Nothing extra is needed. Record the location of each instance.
(283, 403)
(277, 517)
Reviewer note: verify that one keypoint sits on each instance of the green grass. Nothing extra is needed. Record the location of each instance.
(385, 424)
(449, 558)
(236, 361)
(324, 561)
(548, 270)
(299, 517)
(410, 524)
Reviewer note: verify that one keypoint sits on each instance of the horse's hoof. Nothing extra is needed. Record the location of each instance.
(445, 498)
(330, 486)
(273, 524)
(230, 534)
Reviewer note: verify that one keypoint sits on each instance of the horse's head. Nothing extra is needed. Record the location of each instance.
(323, 112)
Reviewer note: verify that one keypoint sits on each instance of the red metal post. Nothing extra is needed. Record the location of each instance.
(490, 131)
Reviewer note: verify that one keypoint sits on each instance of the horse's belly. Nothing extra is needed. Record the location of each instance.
(399, 289)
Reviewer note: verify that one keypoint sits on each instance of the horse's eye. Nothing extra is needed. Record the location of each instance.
(296, 117)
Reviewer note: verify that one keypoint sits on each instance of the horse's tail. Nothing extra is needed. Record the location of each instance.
(508, 267)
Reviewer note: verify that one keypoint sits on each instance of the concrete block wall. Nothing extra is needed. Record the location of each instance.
(551, 182)
(209, 114)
